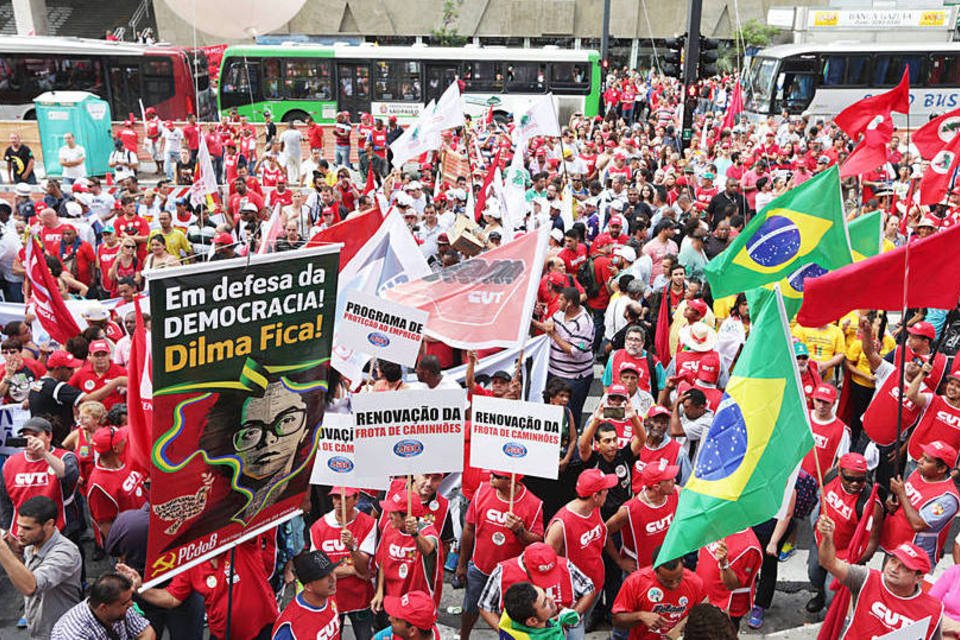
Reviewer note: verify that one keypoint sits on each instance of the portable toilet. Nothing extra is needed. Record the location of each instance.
(84, 115)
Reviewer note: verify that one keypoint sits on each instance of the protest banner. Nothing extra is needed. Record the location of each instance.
(384, 330)
(409, 432)
(240, 353)
(512, 436)
(335, 462)
(483, 302)
(916, 630)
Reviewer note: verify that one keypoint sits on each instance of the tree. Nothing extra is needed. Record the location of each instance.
(446, 34)
(752, 34)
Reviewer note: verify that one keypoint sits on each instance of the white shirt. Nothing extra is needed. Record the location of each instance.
(172, 139)
(71, 155)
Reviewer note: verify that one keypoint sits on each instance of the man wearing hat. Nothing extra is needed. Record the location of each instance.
(39, 458)
(539, 564)
(827, 346)
(927, 226)
(648, 367)
(313, 612)
(941, 413)
(886, 600)
(920, 338)
(691, 311)
(846, 491)
(413, 616)
(98, 371)
(697, 342)
(645, 517)
(54, 398)
(809, 371)
(923, 507)
(578, 532)
(224, 246)
(617, 395)
(112, 486)
(705, 380)
(629, 377)
(830, 434)
(351, 544)
(659, 447)
(408, 553)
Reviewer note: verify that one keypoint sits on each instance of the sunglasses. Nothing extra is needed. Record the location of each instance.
(853, 479)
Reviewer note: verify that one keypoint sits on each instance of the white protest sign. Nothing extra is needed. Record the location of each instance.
(513, 436)
(913, 631)
(409, 432)
(335, 461)
(380, 328)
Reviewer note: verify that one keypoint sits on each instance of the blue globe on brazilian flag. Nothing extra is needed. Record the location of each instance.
(758, 437)
(803, 226)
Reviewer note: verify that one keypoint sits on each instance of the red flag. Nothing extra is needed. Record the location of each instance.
(371, 182)
(855, 118)
(487, 180)
(872, 150)
(489, 118)
(833, 623)
(937, 177)
(661, 340)
(935, 134)
(483, 302)
(353, 233)
(878, 282)
(733, 110)
(50, 308)
(140, 394)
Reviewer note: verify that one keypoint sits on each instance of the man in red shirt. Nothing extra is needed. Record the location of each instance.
(493, 533)
(314, 134)
(646, 517)
(51, 231)
(313, 612)
(76, 255)
(251, 591)
(729, 570)
(129, 136)
(413, 616)
(113, 486)
(941, 413)
(574, 253)
(831, 436)
(128, 223)
(191, 135)
(652, 601)
(97, 373)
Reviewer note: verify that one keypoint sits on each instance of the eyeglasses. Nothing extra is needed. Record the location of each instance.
(129, 246)
(853, 479)
(9, 350)
(251, 433)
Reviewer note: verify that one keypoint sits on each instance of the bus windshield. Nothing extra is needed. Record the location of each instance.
(760, 83)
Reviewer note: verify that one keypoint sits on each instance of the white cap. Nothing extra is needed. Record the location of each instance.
(85, 199)
(626, 252)
(402, 199)
(249, 205)
(22, 189)
(458, 194)
(492, 209)
(73, 210)
(556, 234)
(617, 205)
(413, 184)
(95, 311)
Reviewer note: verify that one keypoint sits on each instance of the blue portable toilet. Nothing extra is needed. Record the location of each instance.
(84, 115)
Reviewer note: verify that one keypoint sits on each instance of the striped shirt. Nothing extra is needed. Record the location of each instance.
(578, 332)
(79, 623)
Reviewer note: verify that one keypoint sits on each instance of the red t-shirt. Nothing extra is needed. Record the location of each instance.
(252, 594)
(50, 238)
(573, 259)
(642, 591)
(87, 380)
(129, 138)
(745, 557)
(110, 491)
(494, 542)
(403, 566)
(302, 620)
(353, 593)
(315, 136)
(107, 256)
(84, 260)
(601, 266)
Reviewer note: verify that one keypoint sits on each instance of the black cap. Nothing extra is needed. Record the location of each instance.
(502, 375)
(37, 425)
(312, 565)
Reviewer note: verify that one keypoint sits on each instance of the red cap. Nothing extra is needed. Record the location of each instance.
(63, 359)
(912, 557)
(443, 238)
(853, 462)
(657, 410)
(105, 438)
(167, 123)
(698, 305)
(825, 392)
(941, 451)
(397, 501)
(223, 238)
(709, 368)
(610, 144)
(540, 558)
(416, 608)
(656, 472)
(99, 346)
(602, 240)
(557, 278)
(617, 389)
(924, 329)
(392, 119)
(626, 365)
(592, 481)
(344, 491)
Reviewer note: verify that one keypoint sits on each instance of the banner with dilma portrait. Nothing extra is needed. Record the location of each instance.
(240, 352)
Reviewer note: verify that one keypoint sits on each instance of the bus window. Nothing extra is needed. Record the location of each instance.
(888, 68)
(526, 77)
(794, 92)
(482, 76)
(397, 81)
(271, 78)
(158, 83)
(240, 83)
(306, 79)
(760, 86)
(844, 70)
(81, 74)
(944, 70)
(569, 78)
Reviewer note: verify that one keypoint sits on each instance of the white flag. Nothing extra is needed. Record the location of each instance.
(515, 191)
(206, 181)
(416, 139)
(540, 119)
(447, 113)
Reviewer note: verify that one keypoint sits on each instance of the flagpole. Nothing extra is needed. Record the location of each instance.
(901, 373)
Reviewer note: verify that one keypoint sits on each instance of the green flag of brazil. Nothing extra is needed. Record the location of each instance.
(803, 226)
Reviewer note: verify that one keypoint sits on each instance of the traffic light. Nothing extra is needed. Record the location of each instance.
(708, 57)
(673, 55)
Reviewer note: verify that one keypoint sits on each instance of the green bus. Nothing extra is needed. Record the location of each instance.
(296, 80)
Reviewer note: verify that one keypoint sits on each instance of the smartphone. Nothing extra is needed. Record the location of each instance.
(15, 441)
(615, 413)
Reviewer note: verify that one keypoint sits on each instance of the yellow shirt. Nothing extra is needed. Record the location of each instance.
(823, 344)
(849, 324)
(176, 242)
(856, 356)
(722, 307)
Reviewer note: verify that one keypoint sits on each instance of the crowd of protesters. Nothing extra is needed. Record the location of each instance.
(634, 219)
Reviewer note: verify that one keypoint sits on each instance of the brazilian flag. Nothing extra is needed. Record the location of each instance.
(805, 225)
(759, 435)
(864, 240)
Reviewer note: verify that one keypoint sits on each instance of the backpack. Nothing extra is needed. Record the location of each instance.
(587, 275)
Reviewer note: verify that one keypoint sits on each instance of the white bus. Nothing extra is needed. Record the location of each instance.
(820, 80)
